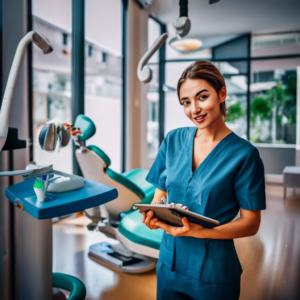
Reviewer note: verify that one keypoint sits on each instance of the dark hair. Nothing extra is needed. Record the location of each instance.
(202, 69)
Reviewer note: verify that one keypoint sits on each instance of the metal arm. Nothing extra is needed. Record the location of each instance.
(45, 46)
(144, 72)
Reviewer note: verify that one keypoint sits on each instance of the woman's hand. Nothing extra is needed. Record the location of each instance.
(179, 205)
(148, 219)
(188, 229)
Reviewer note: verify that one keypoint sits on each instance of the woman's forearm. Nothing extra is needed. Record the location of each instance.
(241, 227)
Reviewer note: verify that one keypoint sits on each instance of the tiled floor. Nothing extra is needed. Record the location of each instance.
(271, 259)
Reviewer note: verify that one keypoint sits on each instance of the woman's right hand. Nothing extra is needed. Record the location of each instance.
(149, 220)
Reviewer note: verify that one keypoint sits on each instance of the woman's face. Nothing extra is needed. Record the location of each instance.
(201, 102)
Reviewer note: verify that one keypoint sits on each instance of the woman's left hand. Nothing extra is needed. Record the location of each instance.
(188, 229)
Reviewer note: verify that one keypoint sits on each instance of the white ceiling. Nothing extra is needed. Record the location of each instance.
(233, 16)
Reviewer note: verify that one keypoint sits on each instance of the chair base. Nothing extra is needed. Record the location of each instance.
(121, 258)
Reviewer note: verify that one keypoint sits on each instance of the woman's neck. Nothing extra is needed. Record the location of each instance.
(215, 132)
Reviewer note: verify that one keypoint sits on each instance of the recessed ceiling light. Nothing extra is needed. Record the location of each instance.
(185, 45)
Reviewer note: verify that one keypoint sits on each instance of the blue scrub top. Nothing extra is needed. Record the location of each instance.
(229, 178)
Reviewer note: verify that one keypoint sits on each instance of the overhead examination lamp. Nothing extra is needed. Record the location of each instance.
(183, 23)
(45, 46)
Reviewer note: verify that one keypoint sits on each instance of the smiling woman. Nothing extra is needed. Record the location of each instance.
(213, 172)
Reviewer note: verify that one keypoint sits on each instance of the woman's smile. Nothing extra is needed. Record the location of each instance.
(200, 118)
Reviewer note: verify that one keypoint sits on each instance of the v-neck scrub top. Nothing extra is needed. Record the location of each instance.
(229, 178)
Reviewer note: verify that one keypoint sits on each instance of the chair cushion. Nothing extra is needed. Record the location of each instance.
(138, 176)
(126, 182)
(132, 227)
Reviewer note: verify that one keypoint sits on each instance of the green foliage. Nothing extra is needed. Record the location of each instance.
(261, 107)
(234, 112)
(284, 101)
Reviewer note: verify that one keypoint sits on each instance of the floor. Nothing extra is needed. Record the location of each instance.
(271, 259)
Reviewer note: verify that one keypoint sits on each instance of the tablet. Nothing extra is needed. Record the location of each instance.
(172, 215)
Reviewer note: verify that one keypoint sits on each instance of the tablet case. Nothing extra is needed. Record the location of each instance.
(172, 215)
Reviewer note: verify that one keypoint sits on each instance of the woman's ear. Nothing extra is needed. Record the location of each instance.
(222, 94)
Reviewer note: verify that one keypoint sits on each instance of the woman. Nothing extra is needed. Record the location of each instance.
(209, 170)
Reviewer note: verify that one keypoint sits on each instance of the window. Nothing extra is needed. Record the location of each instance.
(273, 101)
(103, 76)
(52, 79)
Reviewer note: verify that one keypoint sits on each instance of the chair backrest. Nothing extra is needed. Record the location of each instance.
(94, 164)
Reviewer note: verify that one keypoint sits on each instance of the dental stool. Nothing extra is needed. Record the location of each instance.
(139, 246)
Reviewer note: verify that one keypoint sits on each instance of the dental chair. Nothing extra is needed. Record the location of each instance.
(138, 249)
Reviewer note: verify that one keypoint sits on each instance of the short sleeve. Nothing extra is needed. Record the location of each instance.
(158, 172)
(249, 183)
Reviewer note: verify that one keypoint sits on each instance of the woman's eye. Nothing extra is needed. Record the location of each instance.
(185, 103)
(203, 97)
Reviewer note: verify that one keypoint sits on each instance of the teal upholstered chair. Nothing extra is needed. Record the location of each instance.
(132, 188)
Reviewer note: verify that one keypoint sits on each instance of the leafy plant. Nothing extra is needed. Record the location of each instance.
(234, 112)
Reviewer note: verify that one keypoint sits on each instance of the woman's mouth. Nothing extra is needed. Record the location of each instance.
(200, 118)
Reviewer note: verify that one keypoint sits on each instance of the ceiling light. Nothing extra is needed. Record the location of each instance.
(186, 45)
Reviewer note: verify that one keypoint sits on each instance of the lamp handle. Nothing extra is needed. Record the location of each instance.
(144, 72)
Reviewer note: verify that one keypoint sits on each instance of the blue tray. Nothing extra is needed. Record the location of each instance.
(60, 204)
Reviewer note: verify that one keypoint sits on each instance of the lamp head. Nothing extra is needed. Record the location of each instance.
(53, 133)
(183, 26)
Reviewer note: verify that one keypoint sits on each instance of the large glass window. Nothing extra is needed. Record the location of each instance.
(103, 77)
(275, 44)
(153, 93)
(273, 101)
(52, 77)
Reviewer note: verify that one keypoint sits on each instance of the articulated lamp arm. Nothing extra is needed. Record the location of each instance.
(144, 72)
(45, 46)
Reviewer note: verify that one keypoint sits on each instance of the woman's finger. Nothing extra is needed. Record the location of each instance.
(152, 223)
(185, 223)
(149, 216)
(179, 205)
(144, 217)
(185, 207)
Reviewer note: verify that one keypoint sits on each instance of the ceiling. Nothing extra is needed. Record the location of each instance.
(229, 17)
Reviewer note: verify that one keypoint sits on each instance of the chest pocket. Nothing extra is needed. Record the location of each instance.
(221, 264)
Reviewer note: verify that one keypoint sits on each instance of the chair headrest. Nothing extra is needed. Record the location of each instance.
(86, 126)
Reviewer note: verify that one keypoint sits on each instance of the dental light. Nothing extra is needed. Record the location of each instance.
(144, 72)
(183, 23)
(45, 46)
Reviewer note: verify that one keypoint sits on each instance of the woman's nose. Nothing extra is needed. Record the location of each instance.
(196, 108)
